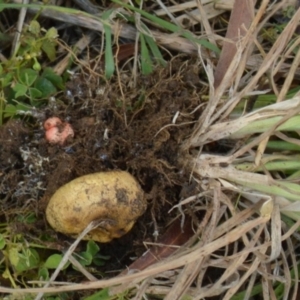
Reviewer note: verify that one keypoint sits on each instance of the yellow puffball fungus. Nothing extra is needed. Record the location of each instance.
(114, 198)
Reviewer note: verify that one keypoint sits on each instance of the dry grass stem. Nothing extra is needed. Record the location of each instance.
(81, 269)
(190, 271)
(204, 17)
(78, 48)
(291, 74)
(240, 21)
(20, 24)
(195, 17)
(210, 7)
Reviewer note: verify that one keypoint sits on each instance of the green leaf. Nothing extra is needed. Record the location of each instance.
(30, 218)
(62, 296)
(45, 87)
(155, 50)
(20, 90)
(99, 261)
(43, 273)
(145, 57)
(34, 93)
(21, 106)
(109, 58)
(54, 78)
(25, 260)
(92, 248)
(28, 76)
(51, 33)
(6, 80)
(85, 258)
(10, 110)
(2, 242)
(6, 274)
(35, 27)
(48, 46)
(102, 295)
(53, 261)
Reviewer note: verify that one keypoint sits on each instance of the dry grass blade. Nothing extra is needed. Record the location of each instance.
(79, 47)
(204, 16)
(20, 24)
(88, 6)
(291, 74)
(275, 234)
(201, 253)
(190, 271)
(237, 263)
(180, 7)
(269, 59)
(287, 268)
(196, 16)
(240, 20)
(210, 114)
(174, 237)
(82, 270)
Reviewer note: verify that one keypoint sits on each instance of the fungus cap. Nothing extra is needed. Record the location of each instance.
(57, 131)
(114, 198)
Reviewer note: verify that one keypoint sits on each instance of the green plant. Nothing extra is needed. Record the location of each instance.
(24, 83)
(18, 258)
(86, 258)
(92, 255)
(101, 295)
(165, 25)
(21, 260)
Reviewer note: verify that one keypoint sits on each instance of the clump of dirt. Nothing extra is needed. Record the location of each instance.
(116, 127)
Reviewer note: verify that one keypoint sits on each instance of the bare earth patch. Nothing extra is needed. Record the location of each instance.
(135, 129)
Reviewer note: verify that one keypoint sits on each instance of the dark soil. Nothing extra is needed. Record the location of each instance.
(116, 127)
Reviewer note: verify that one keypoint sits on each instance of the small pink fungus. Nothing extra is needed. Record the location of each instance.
(56, 131)
(52, 122)
(66, 132)
(53, 136)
